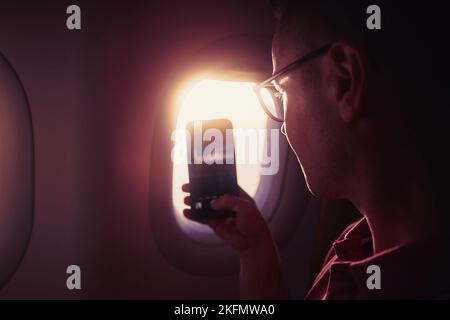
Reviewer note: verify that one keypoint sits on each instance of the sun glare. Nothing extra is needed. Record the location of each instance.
(214, 99)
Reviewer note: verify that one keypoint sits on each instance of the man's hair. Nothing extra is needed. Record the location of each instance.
(410, 31)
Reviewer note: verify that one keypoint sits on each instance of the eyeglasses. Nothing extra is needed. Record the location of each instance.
(268, 93)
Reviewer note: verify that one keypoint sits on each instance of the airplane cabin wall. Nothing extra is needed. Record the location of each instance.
(96, 97)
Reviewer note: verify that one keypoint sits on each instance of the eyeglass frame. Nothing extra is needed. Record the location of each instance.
(297, 63)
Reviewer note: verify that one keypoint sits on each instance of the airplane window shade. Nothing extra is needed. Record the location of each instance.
(214, 99)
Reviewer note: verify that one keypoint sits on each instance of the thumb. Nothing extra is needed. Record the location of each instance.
(231, 203)
(225, 202)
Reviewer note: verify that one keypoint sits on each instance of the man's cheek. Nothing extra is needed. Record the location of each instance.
(293, 137)
(291, 126)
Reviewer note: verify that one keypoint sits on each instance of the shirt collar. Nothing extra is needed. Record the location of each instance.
(416, 270)
(356, 244)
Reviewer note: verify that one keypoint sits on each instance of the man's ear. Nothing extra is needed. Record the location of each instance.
(348, 76)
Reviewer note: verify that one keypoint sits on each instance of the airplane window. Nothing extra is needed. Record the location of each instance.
(213, 99)
(16, 171)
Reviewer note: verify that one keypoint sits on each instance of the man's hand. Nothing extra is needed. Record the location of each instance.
(250, 236)
(245, 231)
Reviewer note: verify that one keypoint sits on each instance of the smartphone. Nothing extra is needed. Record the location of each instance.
(211, 166)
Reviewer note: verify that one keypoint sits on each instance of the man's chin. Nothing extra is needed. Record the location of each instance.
(317, 187)
(309, 181)
(313, 191)
(319, 190)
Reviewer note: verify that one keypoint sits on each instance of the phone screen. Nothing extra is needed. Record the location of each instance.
(212, 169)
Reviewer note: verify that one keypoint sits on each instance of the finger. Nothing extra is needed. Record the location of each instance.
(187, 213)
(185, 187)
(230, 220)
(211, 222)
(187, 200)
(225, 202)
(232, 203)
(245, 195)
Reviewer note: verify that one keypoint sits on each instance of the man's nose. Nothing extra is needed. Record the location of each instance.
(283, 128)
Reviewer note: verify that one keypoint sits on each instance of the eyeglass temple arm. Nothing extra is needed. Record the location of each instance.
(295, 64)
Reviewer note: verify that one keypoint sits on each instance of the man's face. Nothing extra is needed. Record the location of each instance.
(312, 122)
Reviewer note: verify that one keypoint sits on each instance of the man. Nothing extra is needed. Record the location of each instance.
(365, 113)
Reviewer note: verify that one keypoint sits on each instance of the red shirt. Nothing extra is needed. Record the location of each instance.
(414, 271)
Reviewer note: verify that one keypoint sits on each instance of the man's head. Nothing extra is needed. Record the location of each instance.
(358, 104)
